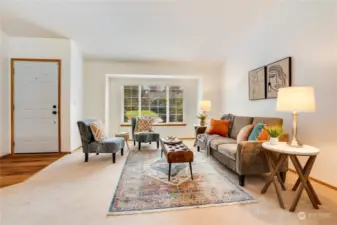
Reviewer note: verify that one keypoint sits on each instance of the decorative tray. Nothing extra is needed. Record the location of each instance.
(171, 141)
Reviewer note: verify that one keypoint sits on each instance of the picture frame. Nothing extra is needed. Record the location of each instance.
(278, 76)
(257, 83)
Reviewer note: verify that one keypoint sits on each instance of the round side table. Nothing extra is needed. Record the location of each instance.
(124, 135)
(302, 182)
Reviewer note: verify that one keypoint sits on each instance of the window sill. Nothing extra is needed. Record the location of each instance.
(158, 124)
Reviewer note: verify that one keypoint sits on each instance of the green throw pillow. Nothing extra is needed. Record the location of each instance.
(254, 135)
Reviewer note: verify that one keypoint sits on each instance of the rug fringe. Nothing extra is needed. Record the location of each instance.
(179, 208)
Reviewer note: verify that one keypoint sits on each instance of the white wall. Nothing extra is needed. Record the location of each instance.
(306, 31)
(50, 48)
(94, 87)
(76, 94)
(4, 94)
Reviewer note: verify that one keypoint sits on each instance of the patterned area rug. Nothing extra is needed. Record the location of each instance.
(144, 187)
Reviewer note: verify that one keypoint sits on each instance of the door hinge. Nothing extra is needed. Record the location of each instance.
(13, 107)
(13, 143)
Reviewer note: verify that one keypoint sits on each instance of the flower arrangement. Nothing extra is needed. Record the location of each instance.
(202, 116)
(274, 131)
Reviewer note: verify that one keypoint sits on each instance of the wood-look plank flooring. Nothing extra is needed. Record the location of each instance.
(17, 168)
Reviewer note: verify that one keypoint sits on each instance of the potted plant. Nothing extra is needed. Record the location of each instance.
(202, 116)
(274, 132)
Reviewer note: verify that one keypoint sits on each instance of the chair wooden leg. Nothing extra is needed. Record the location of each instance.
(113, 157)
(157, 144)
(191, 170)
(242, 180)
(139, 145)
(134, 143)
(169, 174)
(86, 157)
(122, 151)
(150, 142)
(198, 148)
(97, 153)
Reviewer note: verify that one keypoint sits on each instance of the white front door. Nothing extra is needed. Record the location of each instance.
(35, 107)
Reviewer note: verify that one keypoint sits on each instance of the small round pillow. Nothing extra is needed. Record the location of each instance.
(244, 133)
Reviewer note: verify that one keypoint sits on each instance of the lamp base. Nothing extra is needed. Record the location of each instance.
(294, 142)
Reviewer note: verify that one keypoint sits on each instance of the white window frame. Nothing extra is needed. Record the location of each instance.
(167, 89)
(109, 77)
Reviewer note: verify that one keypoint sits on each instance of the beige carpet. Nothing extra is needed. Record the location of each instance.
(73, 192)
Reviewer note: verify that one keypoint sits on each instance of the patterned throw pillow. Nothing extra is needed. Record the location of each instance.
(144, 125)
(220, 127)
(244, 133)
(97, 129)
(259, 133)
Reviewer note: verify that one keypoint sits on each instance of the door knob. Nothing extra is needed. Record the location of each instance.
(54, 112)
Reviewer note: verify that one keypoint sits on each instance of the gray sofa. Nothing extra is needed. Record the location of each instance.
(246, 157)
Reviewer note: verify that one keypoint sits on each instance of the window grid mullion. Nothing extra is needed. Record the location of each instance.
(139, 101)
(167, 104)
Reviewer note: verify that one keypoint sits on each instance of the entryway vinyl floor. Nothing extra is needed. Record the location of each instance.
(19, 167)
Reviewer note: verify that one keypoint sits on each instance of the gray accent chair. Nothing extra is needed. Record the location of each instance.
(143, 137)
(90, 145)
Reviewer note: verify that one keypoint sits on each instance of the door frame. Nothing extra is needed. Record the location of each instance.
(58, 61)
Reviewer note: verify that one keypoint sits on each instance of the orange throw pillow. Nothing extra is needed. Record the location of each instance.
(263, 136)
(218, 127)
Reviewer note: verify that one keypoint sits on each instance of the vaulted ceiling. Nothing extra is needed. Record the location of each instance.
(138, 29)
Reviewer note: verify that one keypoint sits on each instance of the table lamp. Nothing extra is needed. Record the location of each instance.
(296, 100)
(205, 106)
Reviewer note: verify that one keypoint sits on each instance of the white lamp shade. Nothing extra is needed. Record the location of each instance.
(205, 105)
(298, 99)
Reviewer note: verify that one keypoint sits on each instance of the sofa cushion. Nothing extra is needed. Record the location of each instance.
(238, 123)
(269, 121)
(228, 150)
(221, 140)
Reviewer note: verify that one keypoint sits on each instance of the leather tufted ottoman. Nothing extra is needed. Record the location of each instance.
(177, 153)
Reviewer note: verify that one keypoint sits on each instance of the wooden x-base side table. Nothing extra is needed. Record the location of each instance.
(302, 182)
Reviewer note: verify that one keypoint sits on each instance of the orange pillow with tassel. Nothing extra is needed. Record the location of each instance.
(263, 136)
(219, 127)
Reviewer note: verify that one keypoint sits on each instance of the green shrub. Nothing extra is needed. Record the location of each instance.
(274, 131)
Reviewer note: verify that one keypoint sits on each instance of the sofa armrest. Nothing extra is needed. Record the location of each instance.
(250, 158)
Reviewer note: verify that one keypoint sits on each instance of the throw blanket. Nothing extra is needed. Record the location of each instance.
(205, 140)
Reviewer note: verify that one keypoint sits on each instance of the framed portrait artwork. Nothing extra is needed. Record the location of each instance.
(278, 76)
(257, 83)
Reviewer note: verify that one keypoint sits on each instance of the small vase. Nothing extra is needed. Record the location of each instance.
(273, 140)
(202, 123)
